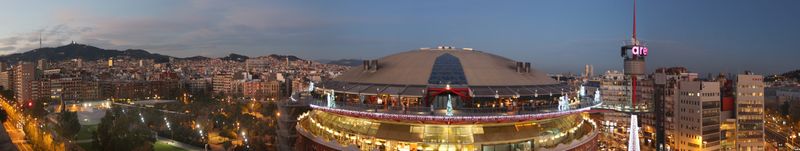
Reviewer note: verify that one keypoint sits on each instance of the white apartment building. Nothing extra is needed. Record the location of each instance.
(697, 117)
(749, 112)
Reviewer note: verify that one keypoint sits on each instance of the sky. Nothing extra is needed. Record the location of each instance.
(708, 36)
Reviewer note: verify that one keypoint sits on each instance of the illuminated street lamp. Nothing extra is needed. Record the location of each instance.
(142, 117)
(200, 131)
(202, 137)
(244, 136)
(171, 133)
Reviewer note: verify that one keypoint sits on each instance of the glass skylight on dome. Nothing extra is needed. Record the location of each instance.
(447, 70)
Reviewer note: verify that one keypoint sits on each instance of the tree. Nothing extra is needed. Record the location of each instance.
(8, 94)
(122, 132)
(36, 108)
(70, 125)
(785, 108)
(3, 115)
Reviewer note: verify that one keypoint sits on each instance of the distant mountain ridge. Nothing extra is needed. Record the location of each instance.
(88, 52)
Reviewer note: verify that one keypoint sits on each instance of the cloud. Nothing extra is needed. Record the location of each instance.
(185, 29)
(49, 36)
(209, 27)
(7, 48)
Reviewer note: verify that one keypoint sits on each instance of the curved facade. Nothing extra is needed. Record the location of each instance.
(446, 99)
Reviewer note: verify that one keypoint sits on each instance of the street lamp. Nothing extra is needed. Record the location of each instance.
(169, 127)
(244, 136)
(142, 117)
(202, 136)
(200, 131)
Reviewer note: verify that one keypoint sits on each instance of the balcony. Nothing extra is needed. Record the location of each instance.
(710, 105)
(710, 131)
(750, 113)
(750, 122)
(710, 122)
(457, 111)
(711, 114)
(711, 144)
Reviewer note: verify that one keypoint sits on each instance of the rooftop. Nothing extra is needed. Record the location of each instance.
(446, 65)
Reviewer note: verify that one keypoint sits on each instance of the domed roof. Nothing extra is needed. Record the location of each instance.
(446, 65)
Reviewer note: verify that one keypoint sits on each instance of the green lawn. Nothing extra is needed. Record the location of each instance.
(85, 132)
(163, 146)
(87, 146)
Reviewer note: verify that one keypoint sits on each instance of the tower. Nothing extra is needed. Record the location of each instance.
(633, 56)
(588, 71)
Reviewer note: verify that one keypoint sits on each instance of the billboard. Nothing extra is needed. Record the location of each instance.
(633, 51)
(639, 50)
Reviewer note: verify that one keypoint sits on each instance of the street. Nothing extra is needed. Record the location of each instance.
(777, 131)
(17, 137)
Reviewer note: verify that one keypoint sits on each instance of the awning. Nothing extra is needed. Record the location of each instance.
(413, 91)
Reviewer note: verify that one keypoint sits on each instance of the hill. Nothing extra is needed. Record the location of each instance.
(795, 75)
(283, 57)
(80, 51)
(88, 52)
(235, 57)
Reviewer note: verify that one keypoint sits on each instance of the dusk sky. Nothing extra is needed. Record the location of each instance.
(555, 35)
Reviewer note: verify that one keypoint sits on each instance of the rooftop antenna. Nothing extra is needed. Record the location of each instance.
(634, 41)
(40, 39)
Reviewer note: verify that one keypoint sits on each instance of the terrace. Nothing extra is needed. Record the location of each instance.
(456, 114)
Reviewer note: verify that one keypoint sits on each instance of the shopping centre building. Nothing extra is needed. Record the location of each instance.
(447, 98)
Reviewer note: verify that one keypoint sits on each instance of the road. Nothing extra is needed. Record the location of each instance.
(42, 136)
(778, 132)
(17, 137)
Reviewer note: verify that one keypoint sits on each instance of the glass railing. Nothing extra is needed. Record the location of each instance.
(456, 111)
(626, 107)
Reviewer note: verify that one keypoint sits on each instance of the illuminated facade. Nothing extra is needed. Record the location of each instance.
(697, 116)
(447, 99)
(749, 112)
(24, 75)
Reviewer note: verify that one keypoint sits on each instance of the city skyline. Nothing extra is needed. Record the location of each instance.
(399, 75)
(708, 36)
